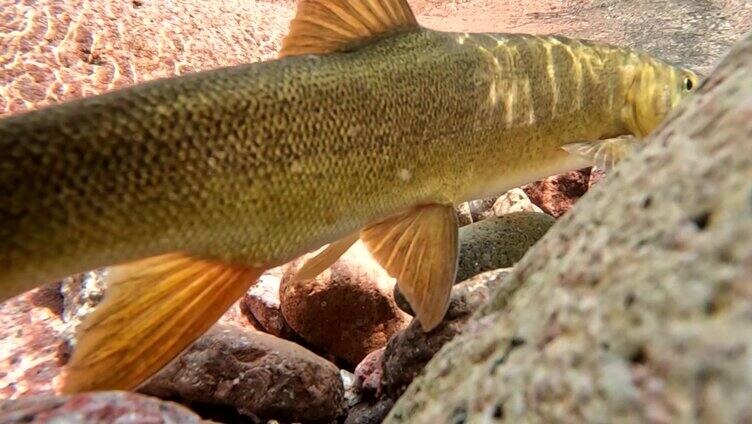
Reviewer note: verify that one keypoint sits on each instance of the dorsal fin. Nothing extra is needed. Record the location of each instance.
(325, 26)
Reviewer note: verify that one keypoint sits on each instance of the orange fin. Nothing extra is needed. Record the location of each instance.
(325, 258)
(419, 248)
(152, 310)
(325, 26)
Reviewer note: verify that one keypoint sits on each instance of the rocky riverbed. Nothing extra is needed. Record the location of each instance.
(634, 304)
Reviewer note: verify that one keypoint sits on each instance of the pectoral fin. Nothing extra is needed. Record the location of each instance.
(153, 309)
(325, 258)
(419, 248)
(603, 153)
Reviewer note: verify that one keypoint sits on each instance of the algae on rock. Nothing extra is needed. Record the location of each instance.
(637, 305)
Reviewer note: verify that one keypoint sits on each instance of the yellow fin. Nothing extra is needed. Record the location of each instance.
(325, 258)
(324, 26)
(153, 309)
(419, 248)
(603, 153)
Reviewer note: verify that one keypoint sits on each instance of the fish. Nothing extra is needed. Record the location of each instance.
(368, 126)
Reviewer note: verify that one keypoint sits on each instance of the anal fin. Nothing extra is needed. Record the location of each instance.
(419, 248)
(152, 310)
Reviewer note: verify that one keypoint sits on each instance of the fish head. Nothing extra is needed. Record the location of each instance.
(654, 89)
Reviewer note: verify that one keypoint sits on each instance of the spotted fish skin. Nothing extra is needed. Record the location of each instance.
(259, 163)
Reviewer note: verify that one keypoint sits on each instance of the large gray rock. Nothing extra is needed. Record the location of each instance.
(636, 306)
(256, 373)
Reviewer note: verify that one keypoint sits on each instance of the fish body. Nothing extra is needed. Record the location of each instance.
(368, 127)
(260, 163)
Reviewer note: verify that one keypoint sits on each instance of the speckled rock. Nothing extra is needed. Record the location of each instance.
(492, 244)
(408, 351)
(263, 304)
(92, 408)
(636, 306)
(369, 372)
(32, 351)
(556, 194)
(347, 310)
(499, 242)
(260, 375)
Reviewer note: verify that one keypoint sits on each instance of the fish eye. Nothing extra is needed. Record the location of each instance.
(688, 84)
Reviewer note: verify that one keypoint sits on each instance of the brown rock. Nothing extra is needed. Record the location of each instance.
(348, 310)
(99, 407)
(410, 350)
(366, 413)
(369, 372)
(260, 375)
(262, 301)
(556, 194)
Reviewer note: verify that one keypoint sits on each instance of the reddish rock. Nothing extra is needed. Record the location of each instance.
(260, 375)
(100, 407)
(410, 350)
(263, 304)
(348, 310)
(556, 194)
(32, 350)
(369, 373)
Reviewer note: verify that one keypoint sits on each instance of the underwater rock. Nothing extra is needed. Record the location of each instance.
(481, 209)
(369, 372)
(636, 306)
(346, 310)
(463, 214)
(369, 413)
(514, 200)
(351, 388)
(556, 194)
(409, 350)
(262, 301)
(499, 242)
(493, 244)
(32, 351)
(260, 375)
(99, 407)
